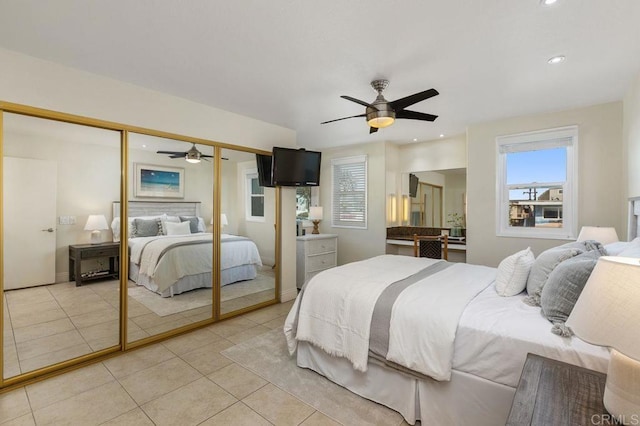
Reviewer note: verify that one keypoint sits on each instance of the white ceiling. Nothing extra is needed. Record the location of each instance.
(288, 61)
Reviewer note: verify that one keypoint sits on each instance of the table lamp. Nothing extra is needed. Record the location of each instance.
(315, 216)
(95, 224)
(602, 234)
(223, 220)
(607, 313)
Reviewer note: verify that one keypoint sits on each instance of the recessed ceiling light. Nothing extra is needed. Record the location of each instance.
(144, 146)
(441, 135)
(547, 2)
(556, 59)
(415, 139)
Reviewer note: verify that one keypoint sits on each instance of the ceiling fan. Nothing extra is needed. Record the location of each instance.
(192, 155)
(382, 113)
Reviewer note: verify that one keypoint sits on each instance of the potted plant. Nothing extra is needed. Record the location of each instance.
(456, 221)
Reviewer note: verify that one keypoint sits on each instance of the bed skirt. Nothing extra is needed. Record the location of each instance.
(465, 400)
(191, 282)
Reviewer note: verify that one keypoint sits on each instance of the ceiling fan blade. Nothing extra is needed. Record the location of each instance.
(177, 155)
(171, 152)
(402, 103)
(205, 155)
(343, 118)
(358, 101)
(373, 130)
(414, 115)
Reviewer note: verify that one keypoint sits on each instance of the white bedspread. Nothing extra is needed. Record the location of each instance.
(337, 305)
(166, 265)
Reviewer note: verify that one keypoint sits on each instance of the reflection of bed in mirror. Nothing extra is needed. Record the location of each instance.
(173, 264)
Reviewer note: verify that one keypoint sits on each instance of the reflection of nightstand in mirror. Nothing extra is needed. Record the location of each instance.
(80, 252)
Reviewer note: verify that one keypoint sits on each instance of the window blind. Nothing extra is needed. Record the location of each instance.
(349, 192)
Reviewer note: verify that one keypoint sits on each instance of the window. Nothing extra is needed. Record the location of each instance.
(537, 184)
(349, 192)
(254, 197)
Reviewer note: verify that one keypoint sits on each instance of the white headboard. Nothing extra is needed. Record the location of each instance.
(152, 208)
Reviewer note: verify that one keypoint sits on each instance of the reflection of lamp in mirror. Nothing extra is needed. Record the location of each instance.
(602, 234)
(315, 216)
(607, 313)
(223, 220)
(95, 224)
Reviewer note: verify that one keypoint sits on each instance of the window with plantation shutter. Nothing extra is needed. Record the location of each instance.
(349, 192)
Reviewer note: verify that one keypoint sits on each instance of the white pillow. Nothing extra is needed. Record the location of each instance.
(513, 272)
(614, 249)
(176, 228)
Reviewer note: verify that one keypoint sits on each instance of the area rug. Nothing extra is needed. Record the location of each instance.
(193, 299)
(267, 356)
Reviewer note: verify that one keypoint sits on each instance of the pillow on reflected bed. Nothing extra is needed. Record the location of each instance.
(182, 228)
(513, 272)
(146, 227)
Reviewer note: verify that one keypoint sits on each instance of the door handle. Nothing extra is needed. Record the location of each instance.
(47, 230)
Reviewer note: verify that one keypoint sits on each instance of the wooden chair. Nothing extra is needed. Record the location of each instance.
(432, 246)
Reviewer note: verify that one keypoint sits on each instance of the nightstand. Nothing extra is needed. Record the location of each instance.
(556, 393)
(80, 252)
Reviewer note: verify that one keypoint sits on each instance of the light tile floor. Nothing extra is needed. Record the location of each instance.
(49, 324)
(181, 381)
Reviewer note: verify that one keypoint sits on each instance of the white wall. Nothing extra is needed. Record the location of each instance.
(455, 188)
(601, 177)
(30, 81)
(358, 244)
(632, 138)
(439, 154)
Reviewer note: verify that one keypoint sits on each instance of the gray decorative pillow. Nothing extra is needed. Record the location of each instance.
(145, 228)
(549, 259)
(193, 223)
(565, 283)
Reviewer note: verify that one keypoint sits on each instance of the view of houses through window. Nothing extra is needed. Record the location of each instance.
(535, 182)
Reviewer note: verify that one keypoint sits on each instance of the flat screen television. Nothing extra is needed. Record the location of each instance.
(296, 167)
(265, 170)
(413, 185)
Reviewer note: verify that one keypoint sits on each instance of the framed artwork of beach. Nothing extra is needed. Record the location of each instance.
(158, 181)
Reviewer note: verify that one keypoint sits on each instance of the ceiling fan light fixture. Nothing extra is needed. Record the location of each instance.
(381, 122)
(192, 156)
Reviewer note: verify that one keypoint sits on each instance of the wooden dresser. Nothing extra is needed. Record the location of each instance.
(315, 253)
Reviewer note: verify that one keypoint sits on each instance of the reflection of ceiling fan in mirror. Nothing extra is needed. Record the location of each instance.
(192, 155)
(382, 113)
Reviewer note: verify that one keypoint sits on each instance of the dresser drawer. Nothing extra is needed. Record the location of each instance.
(321, 246)
(320, 262)
(99, 252)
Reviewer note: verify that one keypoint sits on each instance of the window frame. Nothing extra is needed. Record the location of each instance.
(334, 205)
(566, 137)
(249, 175)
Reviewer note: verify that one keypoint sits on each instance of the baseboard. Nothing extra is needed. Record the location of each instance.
(62, 277)
(288, 294)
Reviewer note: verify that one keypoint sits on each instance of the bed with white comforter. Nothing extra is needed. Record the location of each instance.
(430, 339)
(170, 265)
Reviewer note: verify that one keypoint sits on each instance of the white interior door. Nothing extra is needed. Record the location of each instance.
(29, 194)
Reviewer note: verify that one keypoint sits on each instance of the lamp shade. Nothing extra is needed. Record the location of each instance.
(607, 312)
(96, 222)
(223, 220)
(315, 213)
(602, 234)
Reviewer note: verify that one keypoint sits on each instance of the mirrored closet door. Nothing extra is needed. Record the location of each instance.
(61, 266)
(169, 226)
(248, 240)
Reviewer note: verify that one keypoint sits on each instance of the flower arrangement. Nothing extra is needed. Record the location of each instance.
(456, 220)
